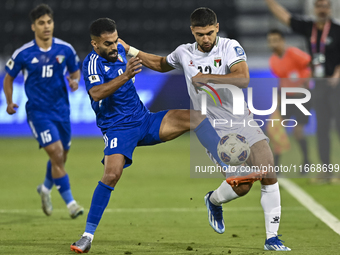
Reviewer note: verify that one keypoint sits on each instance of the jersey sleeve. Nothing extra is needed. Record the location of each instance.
(301, 25)
(235, 53)
(92, 72)
(174, 59)
(14, 65)
(72, 60)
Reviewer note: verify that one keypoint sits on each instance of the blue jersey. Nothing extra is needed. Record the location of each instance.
(44, 72)
(123, 109)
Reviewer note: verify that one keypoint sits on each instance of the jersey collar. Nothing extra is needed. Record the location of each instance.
(42, 50)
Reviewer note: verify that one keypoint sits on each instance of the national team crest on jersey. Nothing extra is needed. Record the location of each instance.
(217, 62)
(60, 58)
(120, 58)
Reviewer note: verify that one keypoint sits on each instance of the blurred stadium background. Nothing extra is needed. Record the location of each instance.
(150, 25)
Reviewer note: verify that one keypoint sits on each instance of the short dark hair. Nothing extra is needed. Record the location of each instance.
(202, 17)
(329, 2)
(40, 10)
(276, 31)
(101, 26)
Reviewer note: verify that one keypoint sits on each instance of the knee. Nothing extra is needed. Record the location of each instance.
(65, 156)
(111, 178)
(196, 117)
(242, 189)
(57, 157)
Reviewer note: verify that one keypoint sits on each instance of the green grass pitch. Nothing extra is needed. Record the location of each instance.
(156, 207)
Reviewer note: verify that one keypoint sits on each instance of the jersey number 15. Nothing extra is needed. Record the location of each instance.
(47, 71)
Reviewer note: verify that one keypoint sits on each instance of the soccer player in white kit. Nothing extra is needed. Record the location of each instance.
(216, 60)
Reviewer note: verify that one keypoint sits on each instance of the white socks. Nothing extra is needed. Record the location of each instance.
(271, 204)
(89, 235)
(223, 194)
(270, 201)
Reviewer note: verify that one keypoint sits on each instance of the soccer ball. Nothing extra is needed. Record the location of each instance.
(233, 149)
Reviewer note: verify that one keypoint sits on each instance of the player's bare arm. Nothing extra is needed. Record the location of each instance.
(279, 11)
(73, 80)
(8, 89)
(104, 90)
(238, 76)
(154, 62)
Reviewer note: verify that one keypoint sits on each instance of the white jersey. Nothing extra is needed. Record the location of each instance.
(219, 60)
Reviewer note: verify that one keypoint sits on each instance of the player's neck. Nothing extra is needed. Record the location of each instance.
(280, 51)
(44, 44)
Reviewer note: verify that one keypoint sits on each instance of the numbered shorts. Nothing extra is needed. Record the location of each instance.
(125, 141)
(253, 133)
(49, 131)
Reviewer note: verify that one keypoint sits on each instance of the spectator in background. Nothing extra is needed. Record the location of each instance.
(323, 37)
(309, 8)
(292, 65)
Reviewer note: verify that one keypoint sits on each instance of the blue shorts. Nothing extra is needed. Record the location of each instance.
(49, 131)
(125, 141)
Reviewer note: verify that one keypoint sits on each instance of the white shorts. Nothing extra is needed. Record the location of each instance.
(253, 133)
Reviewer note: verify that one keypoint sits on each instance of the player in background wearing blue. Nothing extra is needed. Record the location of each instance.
(44, 62)
(124, 120)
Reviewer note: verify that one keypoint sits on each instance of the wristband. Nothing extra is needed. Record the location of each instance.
(133, 52)
(76, 80)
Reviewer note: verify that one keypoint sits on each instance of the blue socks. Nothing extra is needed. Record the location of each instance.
(100, 199)
(63, 186)
(48, 182)
(208, 137)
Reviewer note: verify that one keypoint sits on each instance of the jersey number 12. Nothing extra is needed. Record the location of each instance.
(47, 71)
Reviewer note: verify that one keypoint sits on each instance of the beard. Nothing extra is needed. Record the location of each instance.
(108, 56)
(207, 49)
(322, 17)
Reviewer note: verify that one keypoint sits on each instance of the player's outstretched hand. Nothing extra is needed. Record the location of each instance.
(133, 67)
(126, 46)
(11, 108)
(72, 83)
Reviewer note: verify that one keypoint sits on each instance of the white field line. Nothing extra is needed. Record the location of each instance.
(154, 210)
(314, 207)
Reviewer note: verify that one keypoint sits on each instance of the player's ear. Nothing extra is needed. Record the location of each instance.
(94, 44)
(33, 27)
(217, 27)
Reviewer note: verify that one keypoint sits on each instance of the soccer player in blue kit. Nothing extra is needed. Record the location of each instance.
(44, 62)
(124, 120)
